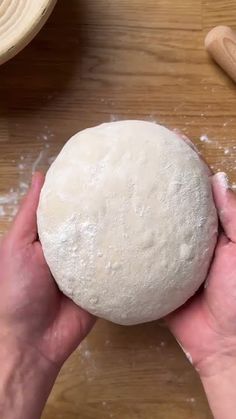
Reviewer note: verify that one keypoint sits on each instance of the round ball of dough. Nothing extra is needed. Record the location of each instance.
(127, 221)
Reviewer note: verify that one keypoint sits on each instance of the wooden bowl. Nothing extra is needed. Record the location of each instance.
(20, 21)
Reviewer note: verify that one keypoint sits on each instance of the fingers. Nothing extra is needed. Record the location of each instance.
(222, 241)
(225, 201)
(25, 224)
(84, 320)
(75, 324)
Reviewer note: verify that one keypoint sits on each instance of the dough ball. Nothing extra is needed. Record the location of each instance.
(127, 221)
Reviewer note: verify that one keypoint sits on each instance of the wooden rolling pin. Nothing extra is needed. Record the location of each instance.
(221, 45)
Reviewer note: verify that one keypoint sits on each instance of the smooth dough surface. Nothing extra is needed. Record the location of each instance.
(127, 221)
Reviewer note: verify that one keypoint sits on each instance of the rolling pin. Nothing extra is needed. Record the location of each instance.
(220, 42)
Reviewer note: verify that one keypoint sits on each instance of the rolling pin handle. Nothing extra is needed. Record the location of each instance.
(220, 42)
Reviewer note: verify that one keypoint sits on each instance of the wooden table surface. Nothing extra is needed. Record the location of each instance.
(102, 60)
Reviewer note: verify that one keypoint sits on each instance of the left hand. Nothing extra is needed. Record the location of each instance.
(39, 327)
(33, 312)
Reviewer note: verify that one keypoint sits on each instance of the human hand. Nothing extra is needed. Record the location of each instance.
(205, 326)
(36, 320)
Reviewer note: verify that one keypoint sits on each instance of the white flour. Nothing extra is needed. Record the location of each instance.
(28, 163)
(204, 139)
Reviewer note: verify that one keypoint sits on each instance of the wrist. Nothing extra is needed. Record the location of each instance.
(220, 386)
(26, 381)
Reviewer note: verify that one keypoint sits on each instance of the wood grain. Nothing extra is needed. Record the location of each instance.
(100, 60)
(166, 14)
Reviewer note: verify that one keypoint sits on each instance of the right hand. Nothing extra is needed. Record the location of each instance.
(206, 325)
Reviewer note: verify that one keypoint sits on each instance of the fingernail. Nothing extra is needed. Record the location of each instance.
(223, 180)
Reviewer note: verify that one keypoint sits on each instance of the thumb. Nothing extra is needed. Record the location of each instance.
(25, 224)
(225, 200)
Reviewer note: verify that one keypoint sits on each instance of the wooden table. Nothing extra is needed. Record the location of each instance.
(102, 60)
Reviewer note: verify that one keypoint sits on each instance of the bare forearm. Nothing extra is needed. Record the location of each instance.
(221, 393)
(26, 382)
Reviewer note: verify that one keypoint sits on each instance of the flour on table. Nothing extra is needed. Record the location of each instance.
(87, 359)
(26, 165)
(205, 139)
(190, 400)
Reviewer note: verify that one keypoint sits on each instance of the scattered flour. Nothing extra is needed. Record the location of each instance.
(190, 400)
(226, 155)
(38, 160)
(88, 361)
(26, 164)
(87, 354)
(2, 211)
(205, 139)
(222, 179)
(9, 202)
(187, 354)
(206, 283)
(114, 118)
